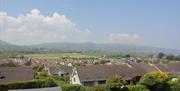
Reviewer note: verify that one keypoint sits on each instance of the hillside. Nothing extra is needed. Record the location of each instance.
(5, 46)
(105, 47)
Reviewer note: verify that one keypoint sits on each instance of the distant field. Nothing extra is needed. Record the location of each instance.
(83, 55)
(59, 56)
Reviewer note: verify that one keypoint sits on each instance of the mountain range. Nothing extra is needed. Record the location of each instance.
(5, 46)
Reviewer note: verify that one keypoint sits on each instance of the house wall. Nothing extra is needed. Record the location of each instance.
(75, 78)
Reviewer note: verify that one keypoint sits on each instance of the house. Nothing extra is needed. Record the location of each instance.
(171, 68)
(15, 74)
(98, 74)
(59, 70)
(40, 89)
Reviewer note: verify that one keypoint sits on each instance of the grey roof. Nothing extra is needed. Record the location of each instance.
(102, 72)
(171, 68)
(56, 69)
(142, 68)
(15, 74)
(40, 89)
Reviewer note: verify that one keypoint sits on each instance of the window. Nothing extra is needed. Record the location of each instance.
(88, 83)
(102, 82)
(74, 79)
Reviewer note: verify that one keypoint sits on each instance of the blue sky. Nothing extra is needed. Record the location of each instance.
(140, 22)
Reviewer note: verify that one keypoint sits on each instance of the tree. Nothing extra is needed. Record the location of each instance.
(116, 83)
(127, 56)
(170, 57)
(160, 55)
(156, 81)
(177, 58)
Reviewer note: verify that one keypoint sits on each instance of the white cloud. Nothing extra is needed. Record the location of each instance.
(34, 27)
(123, 38)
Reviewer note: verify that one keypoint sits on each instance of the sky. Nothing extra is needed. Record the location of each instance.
(136, 22)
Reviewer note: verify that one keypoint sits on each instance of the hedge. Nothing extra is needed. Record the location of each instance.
(28, 84)
(97, 88)
(137, 88)
(71, 87)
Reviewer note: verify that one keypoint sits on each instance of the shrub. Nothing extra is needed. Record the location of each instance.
(64, 79)
(116, 83)
(156, 81)
(70, 87)
(87, 89)
(175, 85)
(100, 88)
(97, 88)
(29, 84)
(41, 75)
(137, 88)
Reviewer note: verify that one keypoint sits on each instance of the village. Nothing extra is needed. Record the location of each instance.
(87, 72)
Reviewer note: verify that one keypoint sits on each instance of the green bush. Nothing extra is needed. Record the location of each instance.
(87, 89)
(97, 88)
(137, 88)
(64, 79)
(116, 83)
(41, 75)
(155, 81)
(29, 84)
(174, 85)
(71, 87)
(101, 88)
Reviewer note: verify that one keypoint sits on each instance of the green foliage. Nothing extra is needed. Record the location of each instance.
(41, 75)
(87, 89)
(70, 87)
(160, 55)
(175, 86)
(155, 80)
(127, 56)
(97, 88)
(29, 84)
(170, 57)
(62, 79)
(115, 83)
(40, 68)
(137, 88)
(100, 88)
(177, 58)
(178, 77)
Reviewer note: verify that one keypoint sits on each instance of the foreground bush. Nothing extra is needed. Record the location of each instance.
(28, 84)
(155, 81)
(88, 89)
(137, 88)
(70, 87)
(116, 83)
(97, 88)
(174, 85)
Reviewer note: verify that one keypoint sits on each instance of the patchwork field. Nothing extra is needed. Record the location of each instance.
(60, 56)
